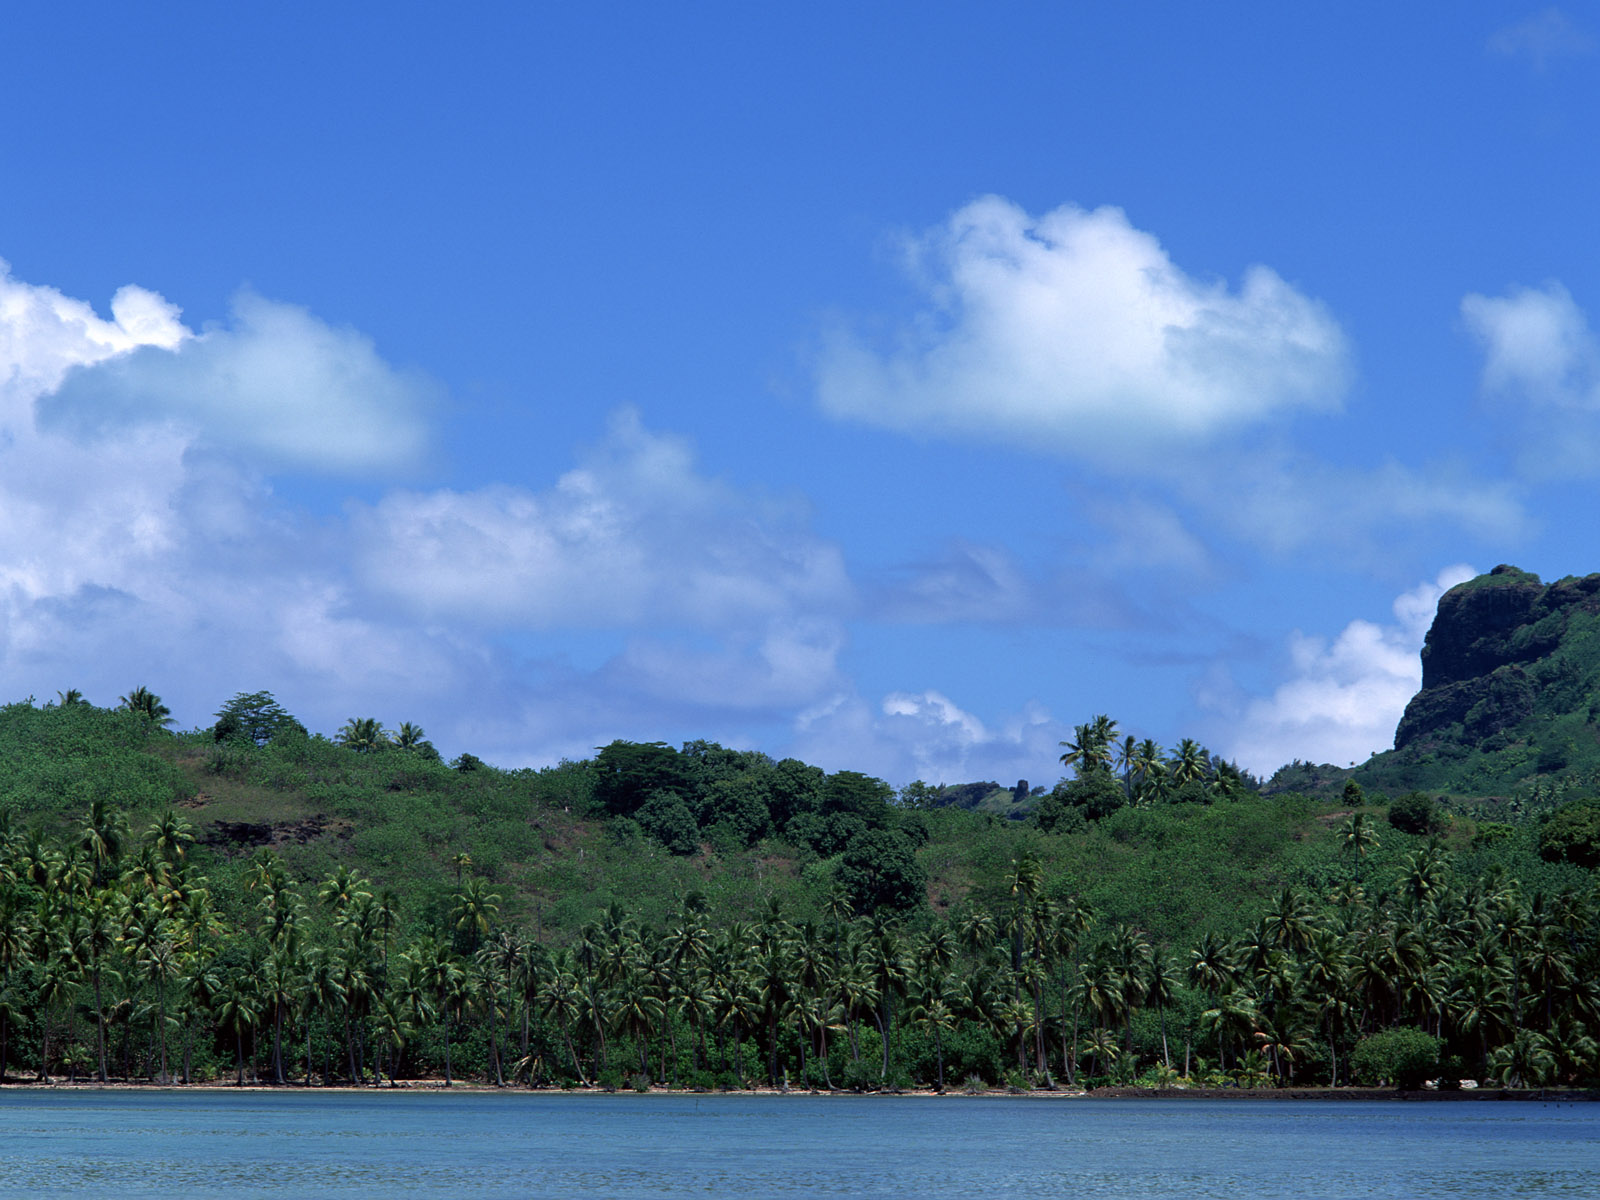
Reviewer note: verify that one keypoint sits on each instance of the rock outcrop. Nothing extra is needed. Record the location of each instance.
(1503, 647)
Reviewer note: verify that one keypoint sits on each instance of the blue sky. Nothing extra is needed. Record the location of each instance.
(894, 386)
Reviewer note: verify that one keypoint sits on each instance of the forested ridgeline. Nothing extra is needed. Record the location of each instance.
(254, 902)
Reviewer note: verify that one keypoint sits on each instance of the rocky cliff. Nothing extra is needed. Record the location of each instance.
(1507, 657)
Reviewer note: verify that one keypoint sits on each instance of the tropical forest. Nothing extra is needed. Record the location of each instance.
(251, 902)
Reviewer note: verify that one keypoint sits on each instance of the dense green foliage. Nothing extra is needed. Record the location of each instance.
(1403, 1057)
(1572, 834)
(308, 909)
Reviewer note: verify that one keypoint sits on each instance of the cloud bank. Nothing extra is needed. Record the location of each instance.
(141, 541)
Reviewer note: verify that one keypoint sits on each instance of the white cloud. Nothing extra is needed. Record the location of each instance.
(1537, 345)
(925, 735)
(1345, 696)
(1546, 36)
(1285, 502)
(634, 534)
(160, 555)
(277, 385)
(44, 334)
(1076, 332)
(1542, 359)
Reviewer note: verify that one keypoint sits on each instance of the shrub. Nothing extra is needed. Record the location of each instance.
(1572, 834)
(1416, 812)
(1403, 1057)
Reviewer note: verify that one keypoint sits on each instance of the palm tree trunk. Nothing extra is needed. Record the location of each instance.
(350, 1046)
(100, 1023)
(161, 1015)
(278, 1076)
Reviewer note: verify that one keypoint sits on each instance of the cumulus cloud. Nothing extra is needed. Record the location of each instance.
(1344, 696)
(1542, 361)
(1545, 37)
(925, 735)
(44, 334)
(1075, 331)
(276, 384)
(635, 532)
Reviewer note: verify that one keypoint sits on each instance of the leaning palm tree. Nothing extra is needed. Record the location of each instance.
(143, 700)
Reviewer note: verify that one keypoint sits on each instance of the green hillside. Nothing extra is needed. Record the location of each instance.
(258, 900)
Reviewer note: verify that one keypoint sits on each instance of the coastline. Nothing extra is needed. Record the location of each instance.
(438, 1086)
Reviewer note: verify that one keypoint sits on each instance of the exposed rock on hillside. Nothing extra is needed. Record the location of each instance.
(1503, 648)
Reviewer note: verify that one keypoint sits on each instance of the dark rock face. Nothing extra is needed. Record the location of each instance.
(1476, 660)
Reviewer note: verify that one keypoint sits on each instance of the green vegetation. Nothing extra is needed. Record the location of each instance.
(252, 900)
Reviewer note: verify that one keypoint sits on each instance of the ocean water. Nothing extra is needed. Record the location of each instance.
(174, 1143)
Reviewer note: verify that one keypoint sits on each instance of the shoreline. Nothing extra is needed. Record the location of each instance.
(438, 1086)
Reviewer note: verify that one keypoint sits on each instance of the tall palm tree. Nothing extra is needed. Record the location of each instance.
(1190, 762)
(238, 1010)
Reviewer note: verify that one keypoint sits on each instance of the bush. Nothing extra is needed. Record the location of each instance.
(1572, 834)
(1416, 812)
(1095, 793)
(880, 870)
(1401, 1057)
(665, 817)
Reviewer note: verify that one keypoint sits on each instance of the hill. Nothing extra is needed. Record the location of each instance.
(325, 909)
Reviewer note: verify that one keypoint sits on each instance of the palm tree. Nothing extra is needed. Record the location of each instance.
(171, 835)
(364, 735)
(238, 1009)
(1127, 762)
(561, 998)
(102, 837)
(1358, 838)
(935, 1015)
(1161, 988)
(1090, 748)
(143, 700)
(1189, 762)
(100, 930)
(475, 910)
(409, 736)
(342, 889)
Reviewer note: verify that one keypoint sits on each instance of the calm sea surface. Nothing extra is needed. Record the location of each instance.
(342, 1144)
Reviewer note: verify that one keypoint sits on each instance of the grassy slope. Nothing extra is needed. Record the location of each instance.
(1175, 871)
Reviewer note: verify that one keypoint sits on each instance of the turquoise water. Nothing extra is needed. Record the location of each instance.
(428, 1144)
